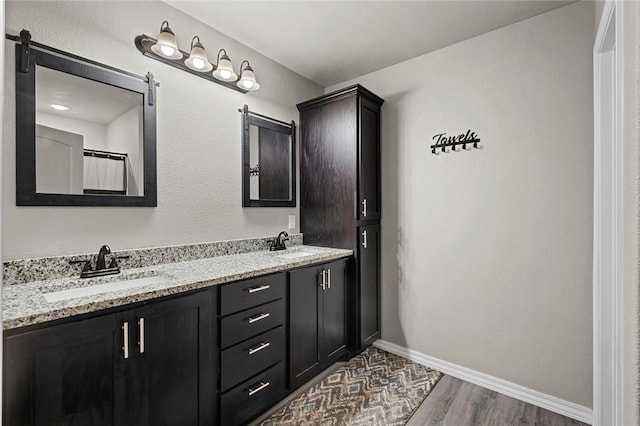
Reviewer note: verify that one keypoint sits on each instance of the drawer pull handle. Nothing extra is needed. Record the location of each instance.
(259, 388)
(262, 346)
(256, 289)
(259, 317)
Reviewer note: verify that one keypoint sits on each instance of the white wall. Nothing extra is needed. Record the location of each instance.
(199, 134)
(94, 134)
(2, 31)
(631, 214)
(487, 254)
(124, 134)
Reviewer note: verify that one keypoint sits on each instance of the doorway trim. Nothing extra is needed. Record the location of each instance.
(607, 217)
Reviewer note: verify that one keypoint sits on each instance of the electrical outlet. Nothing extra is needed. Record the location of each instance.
(292, 221)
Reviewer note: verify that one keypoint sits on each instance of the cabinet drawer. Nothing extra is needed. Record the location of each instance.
(243, 325)
(245, 359)
(249, 293)
(253, 397)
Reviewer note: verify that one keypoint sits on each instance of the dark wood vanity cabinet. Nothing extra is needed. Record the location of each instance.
(368, 315)
(340, 194)
(253, 347)
(167, 379)
(149, 365)
(62, 374)
(318, 319)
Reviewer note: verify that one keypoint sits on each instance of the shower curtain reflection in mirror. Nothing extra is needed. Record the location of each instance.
(105, 172)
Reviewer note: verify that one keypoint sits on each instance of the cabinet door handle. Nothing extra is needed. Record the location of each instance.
(364, 239)
(259, 317)
(329, 278)
(260, 288)
(125, 343)
(259, 388)
(364, 207)
(324, 279)
(262, 346)
(141, 333)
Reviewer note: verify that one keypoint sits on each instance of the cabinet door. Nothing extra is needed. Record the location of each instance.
(304, 326)
(369, 281)
(334, 312)
(369, 162)
(170, 377)
(328, 173)
(61, 375)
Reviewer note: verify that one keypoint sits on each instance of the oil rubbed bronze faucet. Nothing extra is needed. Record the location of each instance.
(101, 264)
(278, 243)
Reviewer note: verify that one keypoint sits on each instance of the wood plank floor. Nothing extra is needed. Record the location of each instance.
(454, 402)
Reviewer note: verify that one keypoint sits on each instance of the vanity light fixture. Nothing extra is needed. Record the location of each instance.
(165, 49)
(224, 70)
(198, 60)
(166, 45)
(247, 78)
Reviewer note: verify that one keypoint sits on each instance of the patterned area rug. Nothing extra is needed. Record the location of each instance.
(373, 388)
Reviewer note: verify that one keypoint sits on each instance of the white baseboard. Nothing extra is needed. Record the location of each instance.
(548, 402)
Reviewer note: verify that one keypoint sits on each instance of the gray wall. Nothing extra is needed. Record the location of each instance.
(487, 254)
(199, 134)
(631, 213)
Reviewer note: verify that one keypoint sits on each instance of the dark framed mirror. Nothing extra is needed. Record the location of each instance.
(85, 133)
(269, 161)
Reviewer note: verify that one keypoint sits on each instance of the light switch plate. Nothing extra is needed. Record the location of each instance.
(292, 221)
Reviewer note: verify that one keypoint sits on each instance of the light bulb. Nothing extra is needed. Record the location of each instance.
(167, 50)
(225, 74)
(248, 84)
(198, 63)
(59, 107)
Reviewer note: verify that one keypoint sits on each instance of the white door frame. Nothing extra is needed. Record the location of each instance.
(607, 217)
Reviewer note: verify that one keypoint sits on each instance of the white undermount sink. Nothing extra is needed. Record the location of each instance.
(295, 254)
(111, 286)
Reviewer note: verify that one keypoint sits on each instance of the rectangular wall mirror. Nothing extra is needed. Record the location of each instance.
(269, 161)
(85, 134)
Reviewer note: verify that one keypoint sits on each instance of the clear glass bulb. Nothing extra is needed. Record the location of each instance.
(198, 63)
(225, 74)
(167, 50)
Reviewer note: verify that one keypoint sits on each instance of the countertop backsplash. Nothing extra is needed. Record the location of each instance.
(49, 268)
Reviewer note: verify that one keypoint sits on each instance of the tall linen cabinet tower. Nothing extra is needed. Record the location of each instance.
(340, 195)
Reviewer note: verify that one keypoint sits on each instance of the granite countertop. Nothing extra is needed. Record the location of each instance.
(25, 304)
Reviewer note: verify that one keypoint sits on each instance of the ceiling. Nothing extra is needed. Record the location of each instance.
(86, 99)
(333, 41)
